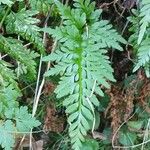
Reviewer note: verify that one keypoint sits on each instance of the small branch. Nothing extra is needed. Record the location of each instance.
(26, 45)
(2, 57)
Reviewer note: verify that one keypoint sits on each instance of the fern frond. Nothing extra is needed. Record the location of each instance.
(13, 119)
(141, 40)
(72, 17)
(107, 36)
(85, 6)
(144, 57)
(42, 6)
(23, 24)
(82, 62)
(7, 2)
(134, 29)
(7, 140)
(15, 49)
(7, 75)
(145, 21)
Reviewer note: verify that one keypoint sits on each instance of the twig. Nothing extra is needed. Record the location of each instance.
(37, 83)
(92, 108)
(124, 28)
(2, 57)
(26, 45)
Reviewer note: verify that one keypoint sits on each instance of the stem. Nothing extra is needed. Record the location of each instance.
(3, 19)
(80, 79)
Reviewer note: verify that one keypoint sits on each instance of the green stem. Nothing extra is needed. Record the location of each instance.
(80, 79)
(3, 19)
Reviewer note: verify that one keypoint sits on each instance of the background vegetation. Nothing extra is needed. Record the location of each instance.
(74, 74)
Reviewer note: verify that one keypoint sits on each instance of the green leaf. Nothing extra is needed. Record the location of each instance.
(7, 2)
(71, 99)
(73, 116)
(16, 50)
(42, 6)
(143, 56)
(90, 144)
(127, 138)
(7, 75)
(7, 140)
(72, 108)
(135, 124)
(24, 121)
(145, 21)
(8, 96)
(24, 24)
(87, 113)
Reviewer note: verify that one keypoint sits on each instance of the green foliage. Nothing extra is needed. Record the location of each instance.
(145, 19)
(7, 139)
(82, 62)
(7, 75)
(24, 121)
(141, 37)
(14, 120)
(90, 144)
(43, 6)
(135, 124)
(16, 50)
(127, 138)
(23, 24)
(14, 54)
(144, 56)
(7, 2)
(133, 131)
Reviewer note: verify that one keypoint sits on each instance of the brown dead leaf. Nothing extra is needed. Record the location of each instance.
(52, 121)
(48, 88)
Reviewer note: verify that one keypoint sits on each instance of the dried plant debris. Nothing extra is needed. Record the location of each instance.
(52, 121)
(123, 100)
(144, 95)
(48, 88)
